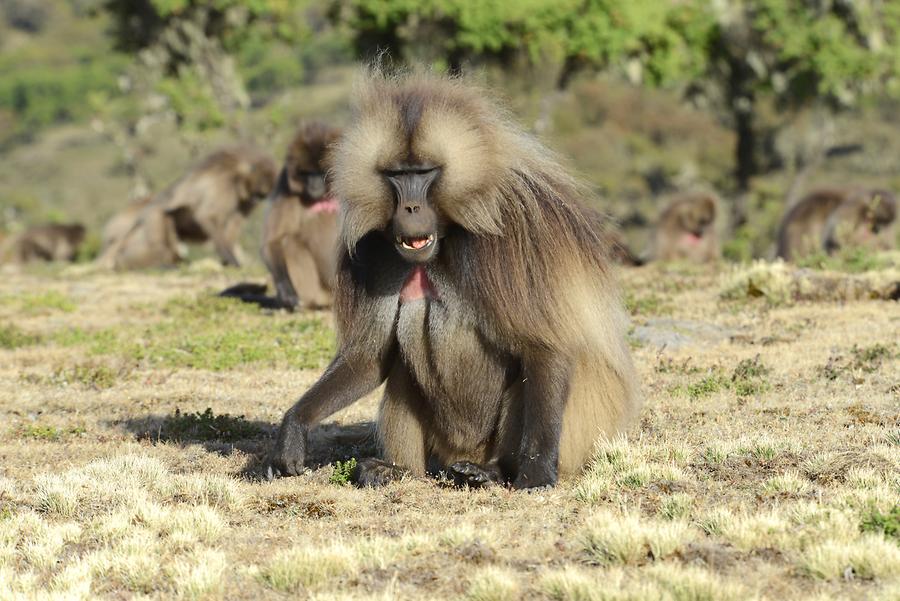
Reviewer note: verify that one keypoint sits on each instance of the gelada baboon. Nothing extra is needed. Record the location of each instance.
(686, 230)
(300, 234)
(48, 242)
(828, 218)
(865, 220)
(211, 202)
(476, 283)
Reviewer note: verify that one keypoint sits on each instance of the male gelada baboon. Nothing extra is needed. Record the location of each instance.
(830, 218)
(48, 242)
(686, 230)
(476, 283)
(300, 234)
(211, 202)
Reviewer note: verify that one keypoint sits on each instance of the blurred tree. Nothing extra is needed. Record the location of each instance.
(191, 46)
(730, 55)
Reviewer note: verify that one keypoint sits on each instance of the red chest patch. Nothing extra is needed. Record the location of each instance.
(326, 205)
(417, 286)
(691, 239)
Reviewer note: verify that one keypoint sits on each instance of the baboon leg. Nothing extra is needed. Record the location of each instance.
(273, 254)
(304, 276)
(401, 431)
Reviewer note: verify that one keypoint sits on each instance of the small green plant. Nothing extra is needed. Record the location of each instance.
(207, 426)
(748, 378)
(12, 337)
(646, 305)
(887, 524)
(49, 433)
(342, 472)
(861, 359)
(706, 386)
(92, 375)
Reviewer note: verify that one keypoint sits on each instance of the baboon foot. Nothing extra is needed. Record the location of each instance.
(372, 473)
(472, 475)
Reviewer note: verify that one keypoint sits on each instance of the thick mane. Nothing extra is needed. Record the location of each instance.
(526, 236)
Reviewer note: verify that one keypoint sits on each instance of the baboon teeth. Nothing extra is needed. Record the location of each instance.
(415, 243)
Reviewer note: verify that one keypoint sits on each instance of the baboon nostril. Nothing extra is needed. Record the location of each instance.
(415, 209)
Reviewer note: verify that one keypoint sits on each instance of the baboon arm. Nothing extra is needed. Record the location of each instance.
(284, 289)
(344, 382)
(545, 390)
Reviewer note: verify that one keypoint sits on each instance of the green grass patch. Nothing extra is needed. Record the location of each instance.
(30, 304)
(12, 337)
(851, 260)
(749, 377)
(91, 375)
(97, 342)
(887, 524)
(866, 359)
(48, 433)
(207, 426)
(650, 304)
(342, 471)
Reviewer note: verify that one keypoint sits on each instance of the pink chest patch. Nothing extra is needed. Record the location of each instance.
(417, 287)
(691, 239)
(326, 205)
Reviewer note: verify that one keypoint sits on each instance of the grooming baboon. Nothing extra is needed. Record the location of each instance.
(865, 220)
(686, 230)
(476, 283)
(300, 235)
(809, 225)
(48, 242)
(211, 202)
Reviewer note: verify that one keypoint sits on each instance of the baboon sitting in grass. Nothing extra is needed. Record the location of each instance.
(211, 202)
(48, 242)
(475, 282)
(686, 230)
(827, 219)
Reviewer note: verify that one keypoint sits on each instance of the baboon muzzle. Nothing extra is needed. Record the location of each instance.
(415, 222)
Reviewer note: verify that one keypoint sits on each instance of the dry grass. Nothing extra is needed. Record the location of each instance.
(755, 472)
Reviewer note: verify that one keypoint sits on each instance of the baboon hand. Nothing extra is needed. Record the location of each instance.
(289, 454)
(535, 473)
(472, 475)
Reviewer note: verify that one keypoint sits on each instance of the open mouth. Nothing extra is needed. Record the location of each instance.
(415, 242)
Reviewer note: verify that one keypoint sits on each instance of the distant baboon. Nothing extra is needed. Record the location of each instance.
(865, 220)
(828, 218)
(474, 281)
(48, 242)
(300, 235)
(686, 230)
(121, 223)
(211, 202)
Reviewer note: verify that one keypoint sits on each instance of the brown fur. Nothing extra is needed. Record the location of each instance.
(528, 311)
(865, 220)
(211, 202)
(300, 243)
(686, 230)
(800, 232)
(48, 242)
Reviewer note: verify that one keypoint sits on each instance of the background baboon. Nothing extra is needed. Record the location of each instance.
(211, 202)
(300, 235)
(686, 229)
(121, 223)
(48, 242)
(808, 224)
(866, 219)
(474, 281)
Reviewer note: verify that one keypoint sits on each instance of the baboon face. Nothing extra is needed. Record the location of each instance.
(418, 162)
(305, 162)
(881, 210)
(697, 217)
(416, 225)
